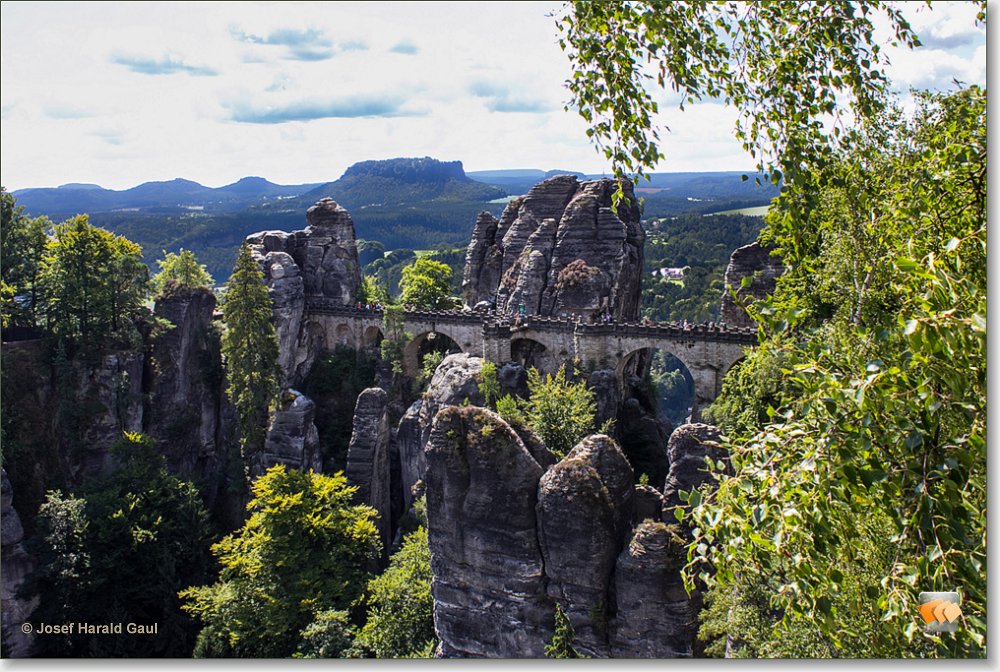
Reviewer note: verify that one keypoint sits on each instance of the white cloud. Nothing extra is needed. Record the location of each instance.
(335, 83)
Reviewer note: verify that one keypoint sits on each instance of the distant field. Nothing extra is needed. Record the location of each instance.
(758, 211)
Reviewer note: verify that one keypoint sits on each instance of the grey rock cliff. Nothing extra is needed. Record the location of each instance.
(368, 459)
(112, 393)
(292, 438)
(754, 262)
(186, 385)
(584, 511)
(655, 617)
(319, 261)
(687, 450)
(559, 249)
(488, 582)
(15, 566)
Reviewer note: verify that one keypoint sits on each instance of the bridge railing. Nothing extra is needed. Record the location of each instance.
(674, 330)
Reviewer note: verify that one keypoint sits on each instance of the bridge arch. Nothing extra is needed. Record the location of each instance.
(532, 352)
(423, 344)
(372, 337)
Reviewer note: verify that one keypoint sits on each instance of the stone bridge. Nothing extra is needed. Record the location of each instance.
(708, 352)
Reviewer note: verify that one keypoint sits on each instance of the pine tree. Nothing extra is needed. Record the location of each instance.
(250, 347)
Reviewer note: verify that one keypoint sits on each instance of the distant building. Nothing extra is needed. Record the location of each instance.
(669, 273)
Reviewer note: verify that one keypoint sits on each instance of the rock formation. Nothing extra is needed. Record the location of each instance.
(648, 503)
(292, 438)
(319, 261)
(584, 511)
(560, 249)
(368, 459)
(112, 394)
(687, 449)
(186, 385)
(754, 262)
(488, 585)
(15, 566)
(655, 617)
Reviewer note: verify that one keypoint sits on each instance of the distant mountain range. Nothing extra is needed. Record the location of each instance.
(413, 203)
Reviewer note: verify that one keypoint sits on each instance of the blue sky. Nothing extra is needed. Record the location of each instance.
(121, 93)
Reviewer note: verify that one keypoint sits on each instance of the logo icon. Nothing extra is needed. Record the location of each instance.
(940, 611)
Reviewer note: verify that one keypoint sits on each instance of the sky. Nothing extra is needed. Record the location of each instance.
(122, 93)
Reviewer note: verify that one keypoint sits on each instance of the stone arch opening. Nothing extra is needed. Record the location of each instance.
(531, 353)
(344, 335)
(373, 337)
(665, 378)
(424, 344)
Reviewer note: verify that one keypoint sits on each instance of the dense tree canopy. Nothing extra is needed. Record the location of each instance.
(302, 552)
(426, 285)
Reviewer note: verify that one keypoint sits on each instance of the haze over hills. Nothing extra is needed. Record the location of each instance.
(404, 203)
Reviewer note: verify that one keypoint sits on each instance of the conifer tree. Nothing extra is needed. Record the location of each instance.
(250, 347)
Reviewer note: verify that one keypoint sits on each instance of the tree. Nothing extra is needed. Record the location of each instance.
(426, 285)
(22, 244)
(400, 607)
(882, 413)
(181, 269)
(560, 412)
(302, 552)
(93, 282)
(786, 67)
(250, 348)
(561, 645)
(120, 553)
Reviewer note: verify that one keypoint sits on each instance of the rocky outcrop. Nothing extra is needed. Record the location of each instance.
(292, 438)
(368, 459)
(754, 262)
(488, 585)
(15, 566)
(107, 401)
(560, 249)
(655, 617)
(687, 450)
(319, 261)
(584, 512)
(648, 503)
(186, 385)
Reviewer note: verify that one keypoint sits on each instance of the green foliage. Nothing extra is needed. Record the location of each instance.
(702, 247)
(428, 366)
(250, 348)
(784, 66)
(302, 552)
(426, 285)
(886, 405)
(392, 346)
(752, 391)
(559, 411)
(329, 636)
(561, 645)
(372, 291)
(400, 607)
(120, 554)
(489, 383)
(92, 282)
(181, 269)
(22, 244)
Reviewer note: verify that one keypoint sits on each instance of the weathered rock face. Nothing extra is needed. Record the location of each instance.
(687, 449)
(15, 566)
(368, 459)
(455, 381)
(559, 249)
(584, 511)
(292, 438)
(648, 503)
(750, 261)
(110, 394)
(655, 617)
(186, 385)
(488, 586)
(319, 261)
